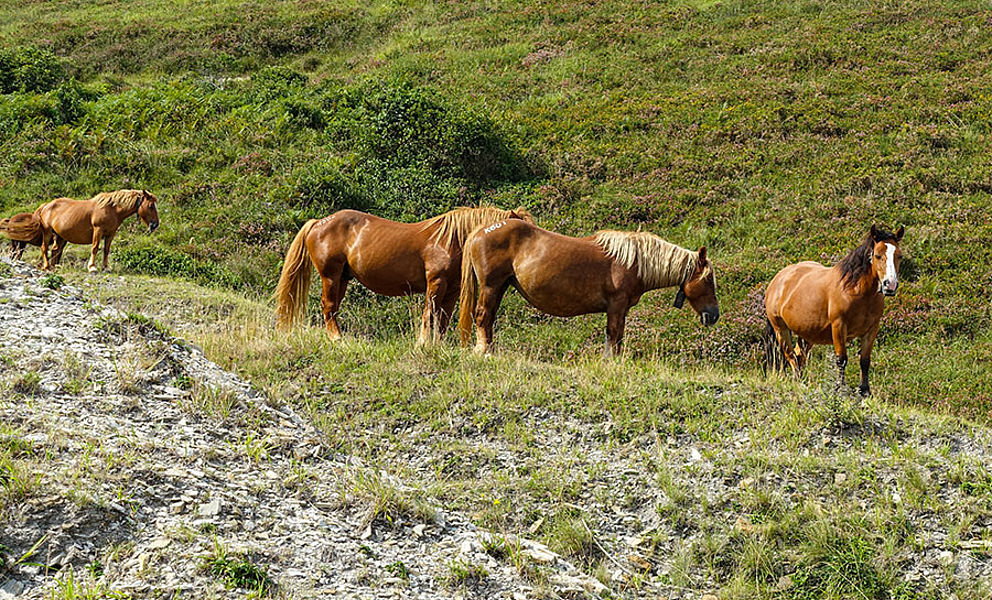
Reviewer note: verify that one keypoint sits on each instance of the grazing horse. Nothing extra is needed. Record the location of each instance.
(22, 229)
(564, 276)
(389, 258)
(89, 221)
(833, 305)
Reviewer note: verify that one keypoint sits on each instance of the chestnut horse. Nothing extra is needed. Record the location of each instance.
(89, 221)
(564, 276)
(22, 229)
(833, 305)
(389, 258)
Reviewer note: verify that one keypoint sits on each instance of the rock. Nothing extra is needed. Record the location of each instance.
(840, 478)
(159, 543)
(784, 583)
(209, 509)
(418, 530)
(709, 597)
(12, 588)
(946, 558)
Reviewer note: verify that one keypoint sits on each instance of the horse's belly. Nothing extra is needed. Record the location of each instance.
(561, 297)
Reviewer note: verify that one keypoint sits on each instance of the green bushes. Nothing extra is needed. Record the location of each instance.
(29, 69)
(165, 262)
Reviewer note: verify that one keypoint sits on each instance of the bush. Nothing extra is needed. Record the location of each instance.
(324, 188)
(30, 69)
(168, 263)
(273, 83)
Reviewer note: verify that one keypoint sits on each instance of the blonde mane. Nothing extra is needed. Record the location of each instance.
(659, 263)
(123, 199)
(456, 225)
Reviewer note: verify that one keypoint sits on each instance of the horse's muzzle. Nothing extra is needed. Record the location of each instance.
(153, 226)
(709, 317)
(889, 289)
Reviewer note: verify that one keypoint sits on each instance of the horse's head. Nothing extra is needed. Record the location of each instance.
(522, 213)
(700, 290)
(885, 258)
(147, 211)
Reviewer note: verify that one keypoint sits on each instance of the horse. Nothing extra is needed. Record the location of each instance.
(565, 276)
(22, 229)
(89, 221)
(832, 305)
(387, 257)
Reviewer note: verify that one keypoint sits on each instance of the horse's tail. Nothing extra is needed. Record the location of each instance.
(294, 282)
(774, 358)
(24, 227)
(469, 295)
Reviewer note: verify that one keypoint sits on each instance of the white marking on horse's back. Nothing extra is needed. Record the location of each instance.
(494, 227)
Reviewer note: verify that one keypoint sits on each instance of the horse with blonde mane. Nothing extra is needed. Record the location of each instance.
(832, 305)
(565, 276)
(22, 229)
(387, 257)
(90, 221)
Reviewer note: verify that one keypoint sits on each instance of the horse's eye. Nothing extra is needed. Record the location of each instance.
(878, 256)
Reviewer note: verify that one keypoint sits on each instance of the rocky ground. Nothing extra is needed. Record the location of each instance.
(131, 466)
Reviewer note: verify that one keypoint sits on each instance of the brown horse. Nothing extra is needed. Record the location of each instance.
(22, 229)
(833, 305)
(89, 221)
(564, 276)
(389, 258)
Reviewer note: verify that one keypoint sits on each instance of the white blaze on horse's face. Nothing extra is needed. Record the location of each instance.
(888, 281)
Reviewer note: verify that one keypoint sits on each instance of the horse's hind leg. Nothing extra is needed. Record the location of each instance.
(333, 286)
(784, 335)
(802, 353)
(17, 249)
(60, 244)
(490, 295)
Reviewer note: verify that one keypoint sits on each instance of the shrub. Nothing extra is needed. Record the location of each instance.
(325, 187)
(169, 263)
(30, 69)
(272, 83)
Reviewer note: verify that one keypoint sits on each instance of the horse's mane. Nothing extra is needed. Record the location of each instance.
(659, 263)
(455, 225)
(123, 199)
(854, 266)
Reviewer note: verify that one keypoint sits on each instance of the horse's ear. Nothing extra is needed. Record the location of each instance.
(873, 232)
(702, 255)
(899, 233)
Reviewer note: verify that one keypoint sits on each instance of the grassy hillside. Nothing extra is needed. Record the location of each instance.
(771, 132)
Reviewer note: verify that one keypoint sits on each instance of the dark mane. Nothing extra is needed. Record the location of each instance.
(854, 266)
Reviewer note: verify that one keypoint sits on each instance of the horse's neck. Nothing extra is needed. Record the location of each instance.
(867, 286)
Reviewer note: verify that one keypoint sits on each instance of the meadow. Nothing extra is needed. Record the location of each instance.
(770, 132)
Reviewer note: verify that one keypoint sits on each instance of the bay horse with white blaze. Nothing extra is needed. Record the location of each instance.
(22, 229)
(565, 276)
(832, 305)
(387, 257)
(89, 221)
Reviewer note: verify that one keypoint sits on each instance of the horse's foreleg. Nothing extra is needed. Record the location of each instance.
(485, 314)
(839, 333)
(430, 321)
(97, 236)
(447, 309)
(106, 251)
(867, 342)
(616, 318)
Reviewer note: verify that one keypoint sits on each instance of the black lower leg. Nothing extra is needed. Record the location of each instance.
(864, 389)
(841, 365)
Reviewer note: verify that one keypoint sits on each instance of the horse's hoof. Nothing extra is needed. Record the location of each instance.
(92, 269)
(864, 391)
